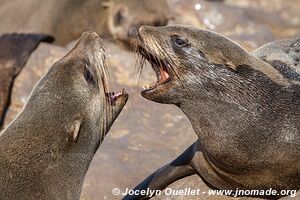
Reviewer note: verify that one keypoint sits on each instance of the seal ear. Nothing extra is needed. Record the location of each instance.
(220, 58)
(74, 134)
(229, 64)
(14, 52)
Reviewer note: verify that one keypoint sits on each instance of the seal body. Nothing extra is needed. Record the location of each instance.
(46, 150)
(244, 110)
(111, 18)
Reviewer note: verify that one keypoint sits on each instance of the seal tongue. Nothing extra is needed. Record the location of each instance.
(163, 75)
(116, 95)
(112, 96)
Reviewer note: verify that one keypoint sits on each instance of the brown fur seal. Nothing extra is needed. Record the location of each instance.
(67, 19)
(15, 50)
(46, 150)
(245, 111)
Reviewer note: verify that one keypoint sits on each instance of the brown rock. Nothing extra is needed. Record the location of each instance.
(14, 53)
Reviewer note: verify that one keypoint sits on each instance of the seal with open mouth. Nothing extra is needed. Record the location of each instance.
(46, 150)
(244, 110)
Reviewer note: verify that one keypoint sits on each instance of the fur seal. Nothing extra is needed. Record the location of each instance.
(110, 18)
(14, 53)
(244, 110)
(46, 150)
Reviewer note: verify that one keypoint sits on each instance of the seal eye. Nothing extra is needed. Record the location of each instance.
(179, 41)
(119, 18)
(88, 76)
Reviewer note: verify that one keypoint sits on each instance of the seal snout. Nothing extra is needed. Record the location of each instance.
(91, 41)
(90, 35)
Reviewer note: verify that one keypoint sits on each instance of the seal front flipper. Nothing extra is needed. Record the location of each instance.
(283, 55)
(160, 179)
(14, 53)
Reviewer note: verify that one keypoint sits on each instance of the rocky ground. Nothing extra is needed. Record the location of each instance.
(148, 135)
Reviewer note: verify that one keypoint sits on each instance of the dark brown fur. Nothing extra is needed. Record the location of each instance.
(15, 50)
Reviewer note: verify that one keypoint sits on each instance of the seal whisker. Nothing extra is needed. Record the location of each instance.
(139, 65)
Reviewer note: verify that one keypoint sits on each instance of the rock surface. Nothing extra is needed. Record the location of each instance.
(252, 23)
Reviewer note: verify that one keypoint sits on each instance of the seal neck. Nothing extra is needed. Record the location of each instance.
(220, 118)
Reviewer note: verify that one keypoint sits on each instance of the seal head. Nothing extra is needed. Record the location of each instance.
(83, 78)
(125, 17)
(172, 50)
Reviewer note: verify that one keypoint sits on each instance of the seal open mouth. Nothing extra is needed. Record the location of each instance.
(160, 67)
(112, 97)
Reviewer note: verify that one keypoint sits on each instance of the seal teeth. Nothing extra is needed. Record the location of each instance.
(159, 66)
(146, 87)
